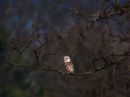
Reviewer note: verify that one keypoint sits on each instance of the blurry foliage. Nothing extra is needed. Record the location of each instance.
(4, 35)
(15, 92)
(38, 33)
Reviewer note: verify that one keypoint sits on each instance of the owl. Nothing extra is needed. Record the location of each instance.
(69, 65)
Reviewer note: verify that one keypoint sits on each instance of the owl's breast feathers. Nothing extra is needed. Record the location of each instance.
(69, 64)
(69, 67)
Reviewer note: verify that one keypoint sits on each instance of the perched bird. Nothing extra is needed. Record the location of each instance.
(69, 65)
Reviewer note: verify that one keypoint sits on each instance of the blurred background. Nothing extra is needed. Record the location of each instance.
(35, 35)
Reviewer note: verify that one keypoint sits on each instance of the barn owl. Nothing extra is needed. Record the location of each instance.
(69, 65)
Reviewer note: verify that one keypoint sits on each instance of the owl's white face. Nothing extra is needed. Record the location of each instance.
(66, 59)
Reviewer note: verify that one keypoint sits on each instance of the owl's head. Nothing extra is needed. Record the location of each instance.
(66, 59)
